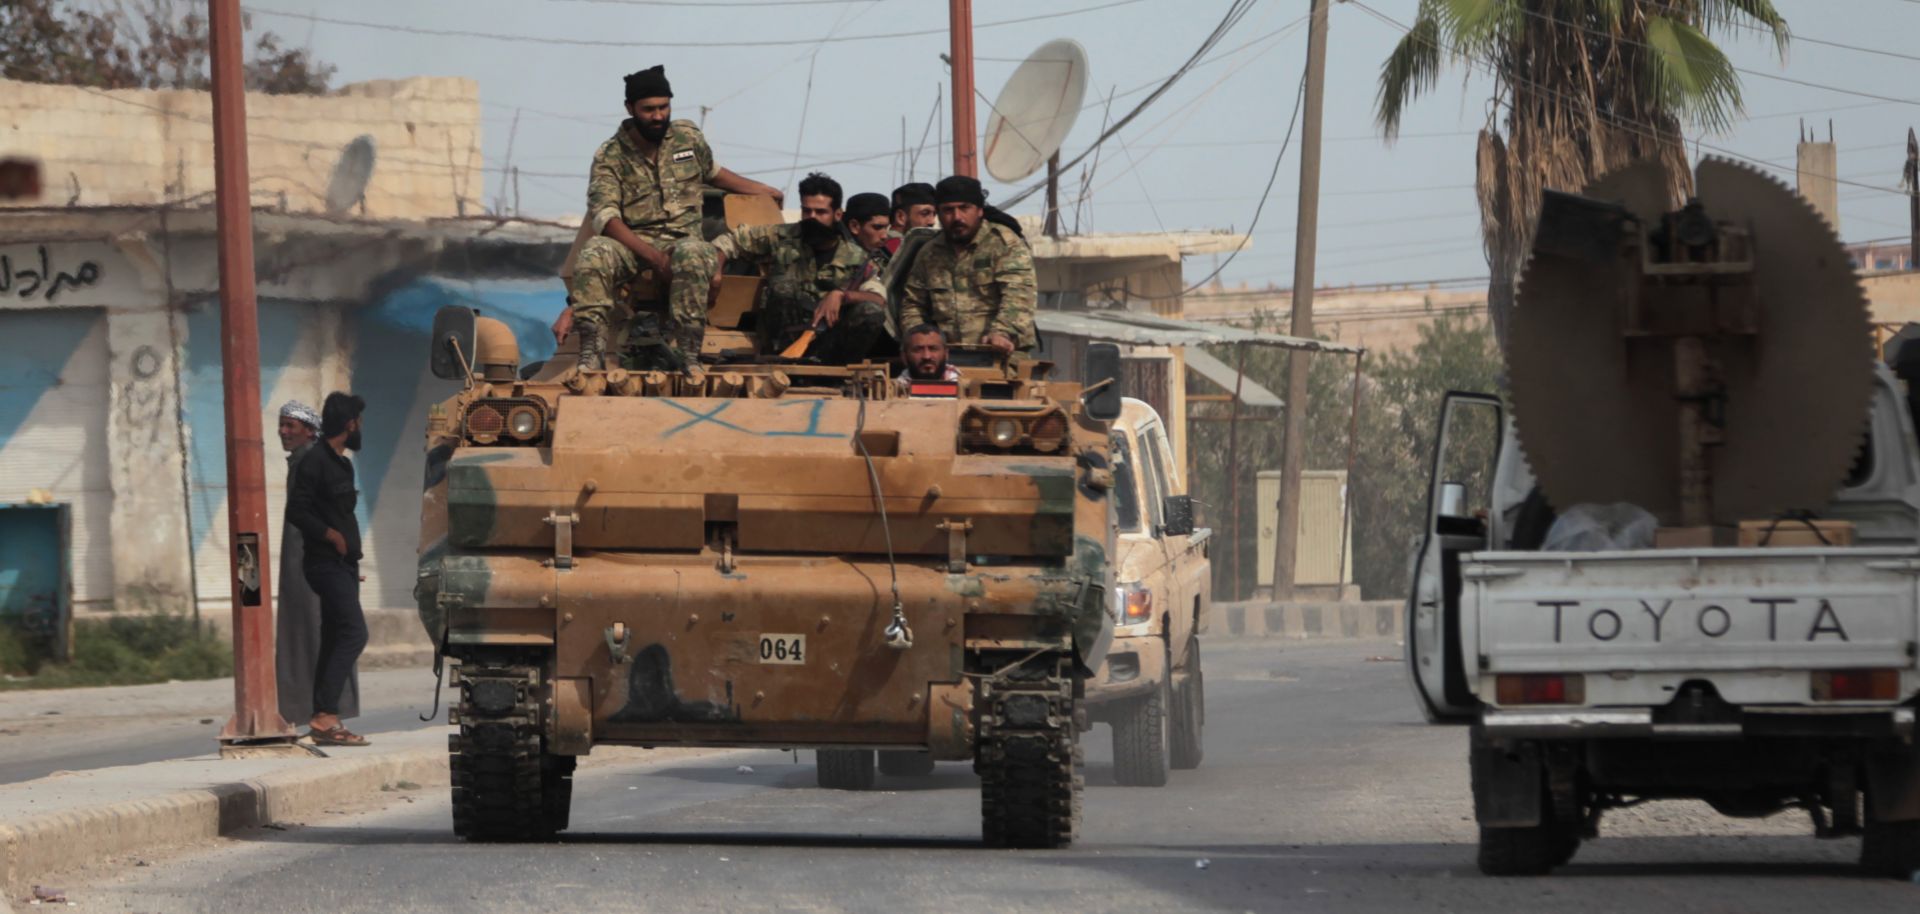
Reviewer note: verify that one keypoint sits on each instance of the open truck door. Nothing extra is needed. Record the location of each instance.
(1459, 520)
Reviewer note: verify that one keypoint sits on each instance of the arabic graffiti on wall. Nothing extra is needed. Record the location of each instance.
(41, 274)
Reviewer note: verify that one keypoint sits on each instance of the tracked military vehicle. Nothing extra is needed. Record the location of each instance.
(765, 553)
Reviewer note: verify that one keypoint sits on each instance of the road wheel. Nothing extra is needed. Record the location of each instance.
(845, 769)
(906, 764)
(1890, 849)
(1141, 740)
(1190, 713)
(1531, 851)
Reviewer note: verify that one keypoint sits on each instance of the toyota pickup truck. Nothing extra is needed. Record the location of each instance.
(1150, 689)
(1755, 679)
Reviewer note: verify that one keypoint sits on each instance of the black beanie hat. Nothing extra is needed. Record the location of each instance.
(648, 83)
(867, 206)
(340, 409)
(919, 193)
(959, 189)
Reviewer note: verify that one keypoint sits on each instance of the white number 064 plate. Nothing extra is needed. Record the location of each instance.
(783, 648)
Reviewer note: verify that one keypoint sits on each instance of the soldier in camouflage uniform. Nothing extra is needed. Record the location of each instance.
(870, 222)
(974, 281)
(815, 275)
(644, 199)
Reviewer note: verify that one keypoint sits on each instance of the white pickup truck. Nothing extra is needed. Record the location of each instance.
(1755, 679)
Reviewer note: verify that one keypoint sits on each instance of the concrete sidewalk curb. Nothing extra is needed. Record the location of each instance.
(1369, 620)
(89, 835)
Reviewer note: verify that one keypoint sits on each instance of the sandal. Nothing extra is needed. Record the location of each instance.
(338, 736)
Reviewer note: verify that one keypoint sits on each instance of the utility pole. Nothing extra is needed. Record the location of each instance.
(256, 707)
(1911, 178)
(1286, 542)
(960, 34)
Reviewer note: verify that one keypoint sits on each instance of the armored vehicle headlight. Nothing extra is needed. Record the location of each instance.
(1005, 432)
(523, 422)
(1048, 432)
(484, 423)
(516, 420)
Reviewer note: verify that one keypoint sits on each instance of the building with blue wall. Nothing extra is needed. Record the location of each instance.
(112, 432)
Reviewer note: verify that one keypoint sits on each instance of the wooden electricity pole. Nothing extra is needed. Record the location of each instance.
(256, 706)
(960, 39)
(1286, 541)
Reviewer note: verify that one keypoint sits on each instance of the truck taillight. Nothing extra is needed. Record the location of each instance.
(1539, 689)
(1137, 603)
(1856, 685)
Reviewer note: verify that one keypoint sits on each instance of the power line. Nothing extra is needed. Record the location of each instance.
(628, 43)
(1234, 14)
(735, 3)
(1292, 120)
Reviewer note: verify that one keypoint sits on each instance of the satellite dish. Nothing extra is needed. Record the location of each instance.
(348, 186)
(1036, 109)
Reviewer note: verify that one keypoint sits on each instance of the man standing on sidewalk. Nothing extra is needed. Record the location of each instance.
(297, 620)
(321, 506)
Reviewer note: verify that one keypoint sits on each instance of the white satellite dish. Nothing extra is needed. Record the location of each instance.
(348, 186)
(1035, 110)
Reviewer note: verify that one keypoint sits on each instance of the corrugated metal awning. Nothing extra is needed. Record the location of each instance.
(1141, 329)
(1221, 373)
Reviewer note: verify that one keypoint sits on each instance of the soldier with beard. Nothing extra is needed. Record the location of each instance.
(817, 277)
(644, 199)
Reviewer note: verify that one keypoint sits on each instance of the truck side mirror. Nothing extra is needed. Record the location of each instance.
(1177, 516)
(451, 354)
(1103, 382)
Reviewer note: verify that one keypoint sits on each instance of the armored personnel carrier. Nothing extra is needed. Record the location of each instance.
(764, 553)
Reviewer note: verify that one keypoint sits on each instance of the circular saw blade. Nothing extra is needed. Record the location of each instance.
(1596, 411)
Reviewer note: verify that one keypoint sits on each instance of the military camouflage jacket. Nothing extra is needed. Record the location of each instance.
(658, 198)
(779, 251)
(985, 287)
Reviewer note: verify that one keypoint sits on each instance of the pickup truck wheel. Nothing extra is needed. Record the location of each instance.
(1190, 714)
(1140, 740)
(1529, 851)
(906, 764)
(1890, 848)
(844, 769)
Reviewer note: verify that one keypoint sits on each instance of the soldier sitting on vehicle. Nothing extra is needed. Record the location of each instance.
(816, 277)
(925, 352)
(644, 198)
(975, 280)
(869, 222)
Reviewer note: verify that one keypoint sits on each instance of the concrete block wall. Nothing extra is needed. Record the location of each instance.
(135, 146)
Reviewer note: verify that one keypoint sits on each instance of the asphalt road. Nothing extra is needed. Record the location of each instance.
(44, 731)
(1321, 791)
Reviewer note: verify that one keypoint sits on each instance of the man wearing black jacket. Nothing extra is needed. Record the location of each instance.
(321, 506)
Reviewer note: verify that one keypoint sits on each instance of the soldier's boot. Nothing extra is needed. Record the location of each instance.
(683, 344)
(593, 343)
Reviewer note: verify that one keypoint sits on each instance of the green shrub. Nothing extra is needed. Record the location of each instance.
(121, 650)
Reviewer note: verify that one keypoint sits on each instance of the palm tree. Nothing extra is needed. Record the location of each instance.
(1580, 87)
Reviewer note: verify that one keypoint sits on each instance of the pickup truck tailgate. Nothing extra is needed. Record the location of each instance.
(1753, 621)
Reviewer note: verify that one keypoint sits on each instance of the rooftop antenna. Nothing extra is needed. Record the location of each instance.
(1033, 115)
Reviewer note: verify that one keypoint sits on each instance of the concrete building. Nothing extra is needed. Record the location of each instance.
(110, 377)
(1378, 318)
(122, 147)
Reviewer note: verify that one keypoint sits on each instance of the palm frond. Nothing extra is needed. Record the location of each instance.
(1410, 71)
(1714, 15)
(1689, 75)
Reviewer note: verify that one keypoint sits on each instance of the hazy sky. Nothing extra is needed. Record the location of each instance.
(1196, 160)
